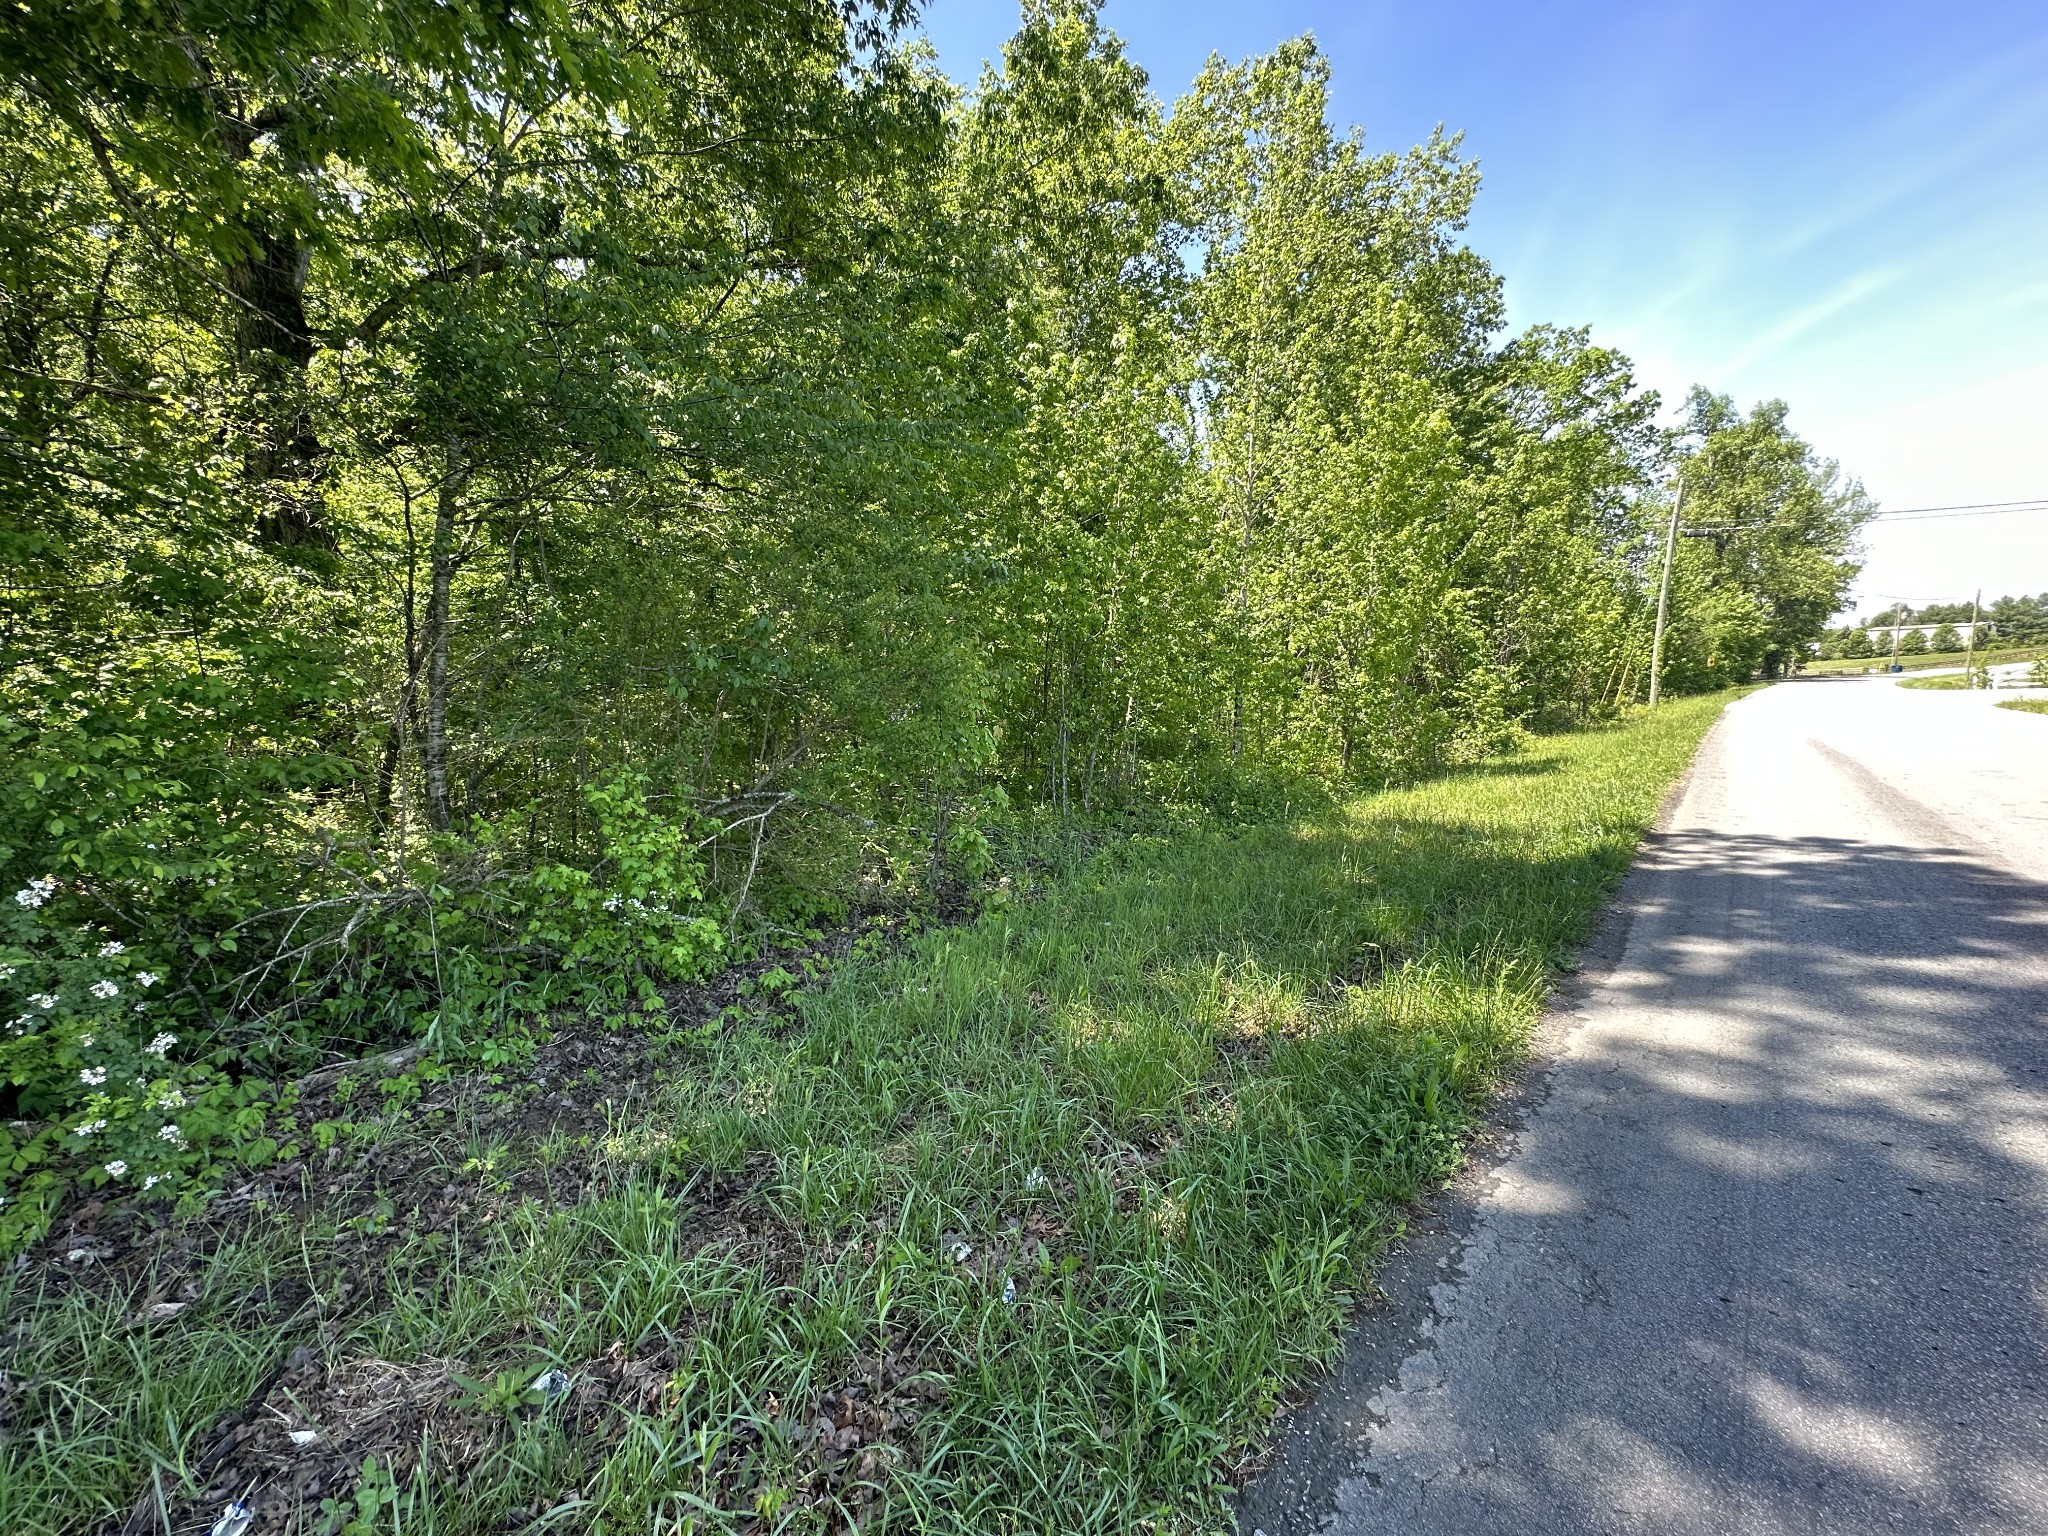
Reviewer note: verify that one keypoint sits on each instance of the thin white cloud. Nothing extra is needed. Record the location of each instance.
(1774, 340)
(1968, 123)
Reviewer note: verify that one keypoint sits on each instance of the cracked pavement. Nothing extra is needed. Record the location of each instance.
(1762, 1245)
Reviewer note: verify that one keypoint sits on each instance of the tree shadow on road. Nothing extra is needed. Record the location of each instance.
(1772, 1257)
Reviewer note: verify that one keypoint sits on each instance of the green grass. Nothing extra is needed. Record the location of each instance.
(1177, 1102)
(1989, 658)
(2029, 706)
(1957, 681)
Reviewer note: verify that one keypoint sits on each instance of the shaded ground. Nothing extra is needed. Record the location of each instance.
(1764, 1255)
(470, 1149)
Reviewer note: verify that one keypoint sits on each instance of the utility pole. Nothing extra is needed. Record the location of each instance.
(1970, 645)
(1664, 592)
(1898, 620)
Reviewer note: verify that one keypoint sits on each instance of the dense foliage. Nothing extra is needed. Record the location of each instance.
(1770, 528)
(496, 501)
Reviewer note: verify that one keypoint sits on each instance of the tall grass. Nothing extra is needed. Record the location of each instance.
(1076, 1192)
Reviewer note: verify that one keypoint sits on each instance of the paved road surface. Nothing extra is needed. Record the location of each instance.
(1769, 1251)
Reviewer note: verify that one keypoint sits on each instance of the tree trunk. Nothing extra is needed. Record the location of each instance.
(275, 346)
(441, 559)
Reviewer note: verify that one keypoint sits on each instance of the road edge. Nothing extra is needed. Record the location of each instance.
(1324, 1437)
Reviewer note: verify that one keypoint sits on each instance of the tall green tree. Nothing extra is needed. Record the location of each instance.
(1103, 603)
(1337, 318)
(1770, 548)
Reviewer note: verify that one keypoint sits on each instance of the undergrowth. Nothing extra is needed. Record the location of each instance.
(1025, 1226)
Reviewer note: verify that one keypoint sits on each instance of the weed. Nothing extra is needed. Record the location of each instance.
(1024, 1225)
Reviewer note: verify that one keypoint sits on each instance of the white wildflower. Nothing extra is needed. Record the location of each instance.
(44, 1000)
(146, 978)
(611, 903)
(170, 1098)
(153, 1180)
(85, 1040)
(171, 1134)
(104, 989)
(161, 1044)
(112, 948)
(36, 892)
(91, 1127)
(6, 973)
(117, 1167)
(92, 1077)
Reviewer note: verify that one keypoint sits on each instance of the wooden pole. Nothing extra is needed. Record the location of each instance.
(1664, 593)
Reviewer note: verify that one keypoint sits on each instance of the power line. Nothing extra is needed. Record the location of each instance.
(1971, 506)
(1929, 515)
(1902, 515)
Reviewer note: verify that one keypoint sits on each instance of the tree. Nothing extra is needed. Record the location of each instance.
(1944, 613)
(1065, 195)
(1422, 535)
(1913, 642)
(1773, 538)
(1945, 638)
(2021, 620)
(1857, 645)
(372, 371)
(499, 502)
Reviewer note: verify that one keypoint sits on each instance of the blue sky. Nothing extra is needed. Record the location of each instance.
(1844, 206)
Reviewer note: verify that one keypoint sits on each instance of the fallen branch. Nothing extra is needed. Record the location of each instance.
(381, 1064)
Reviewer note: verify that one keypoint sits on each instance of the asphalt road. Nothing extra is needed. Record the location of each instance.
(1765, 1249)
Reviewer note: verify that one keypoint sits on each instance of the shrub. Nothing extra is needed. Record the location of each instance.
(115, 1071)
(97, 1089)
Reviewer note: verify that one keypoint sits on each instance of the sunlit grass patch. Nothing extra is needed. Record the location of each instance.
(1028, 1227)
(1957, 681)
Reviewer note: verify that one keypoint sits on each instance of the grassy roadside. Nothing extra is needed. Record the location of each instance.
(1025, 1228)
(1922, 662)
(2026, 706)
(1954, 683)
(1957, 683)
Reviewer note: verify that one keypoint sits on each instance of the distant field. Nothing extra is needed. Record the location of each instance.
(1924, 663)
